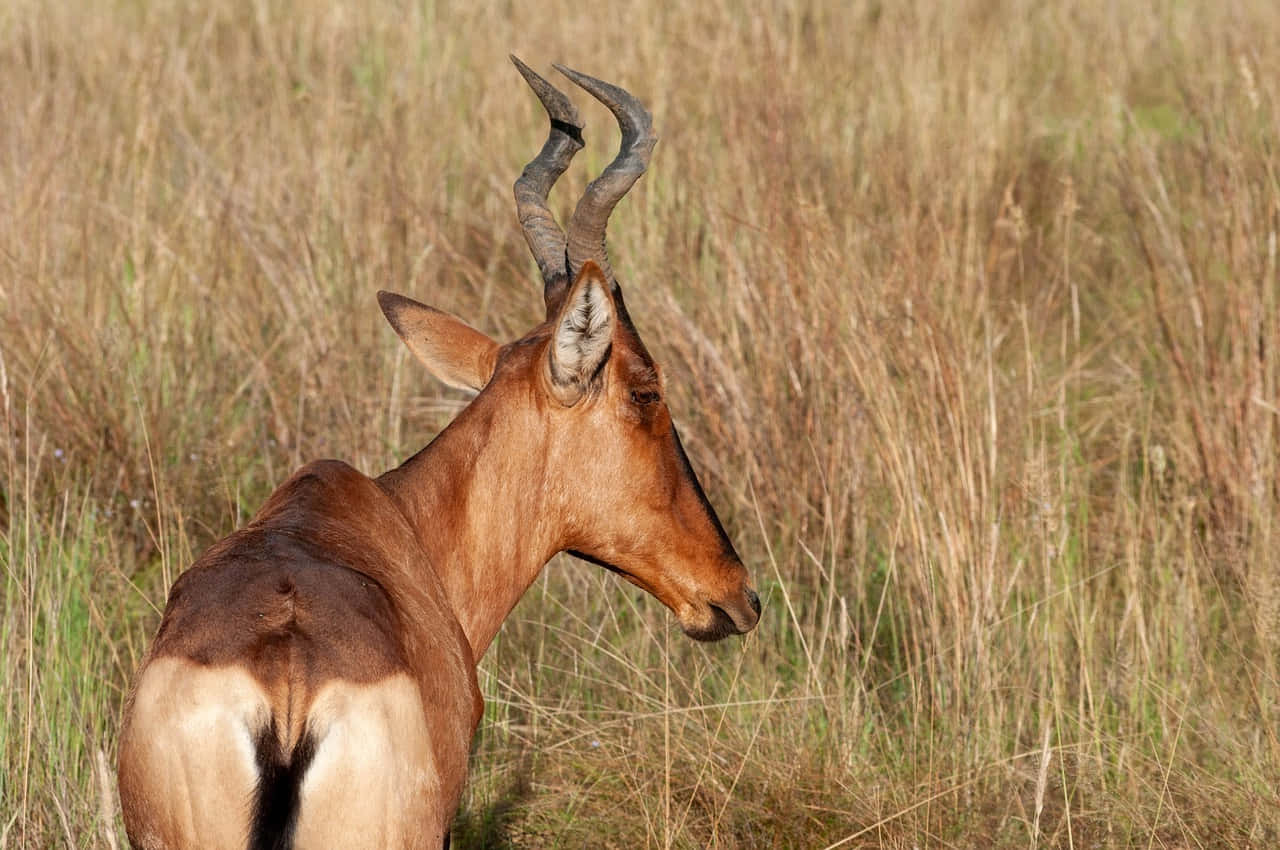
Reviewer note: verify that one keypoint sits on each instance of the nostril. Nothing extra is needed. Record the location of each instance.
(754, 599)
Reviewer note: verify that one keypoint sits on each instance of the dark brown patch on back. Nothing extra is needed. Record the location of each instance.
(326, 582)
(268, 596)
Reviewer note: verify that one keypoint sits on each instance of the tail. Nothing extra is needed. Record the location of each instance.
(276, 799)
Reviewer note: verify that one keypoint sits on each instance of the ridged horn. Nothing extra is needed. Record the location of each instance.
(586, 240)
(546, 240)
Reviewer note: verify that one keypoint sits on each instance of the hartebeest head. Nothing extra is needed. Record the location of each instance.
(589, 395)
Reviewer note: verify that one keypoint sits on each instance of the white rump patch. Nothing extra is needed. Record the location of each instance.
(373, 782)
(190, 746)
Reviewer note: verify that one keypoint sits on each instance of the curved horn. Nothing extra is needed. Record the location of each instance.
(587, 226)
(546, 239)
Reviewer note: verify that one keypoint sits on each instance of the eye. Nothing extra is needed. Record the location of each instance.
(643, 398)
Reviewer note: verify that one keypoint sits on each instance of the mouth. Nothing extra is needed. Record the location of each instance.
(722, 619)
(720, 627)
(723, 624)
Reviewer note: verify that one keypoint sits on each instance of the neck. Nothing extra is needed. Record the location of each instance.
(478, 509)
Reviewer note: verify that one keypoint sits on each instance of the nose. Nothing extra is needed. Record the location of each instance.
(754, 599)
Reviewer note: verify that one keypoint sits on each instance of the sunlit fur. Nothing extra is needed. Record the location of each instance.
(353, 607)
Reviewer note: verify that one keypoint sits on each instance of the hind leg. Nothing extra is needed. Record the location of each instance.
(374, 781)
(187, 757)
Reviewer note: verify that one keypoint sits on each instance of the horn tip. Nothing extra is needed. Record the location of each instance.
(624, 105)
(558, 106)
(531, 76)
(569, 72)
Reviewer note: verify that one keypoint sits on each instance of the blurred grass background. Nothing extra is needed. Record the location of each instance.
(971, 317)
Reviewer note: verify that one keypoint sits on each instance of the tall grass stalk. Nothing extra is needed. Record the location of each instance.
(971, 317)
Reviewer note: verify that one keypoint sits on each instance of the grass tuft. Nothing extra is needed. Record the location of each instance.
(971, 317)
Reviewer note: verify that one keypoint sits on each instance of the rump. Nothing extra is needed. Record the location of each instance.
(202, 765)
(189, 756)
(375, 780)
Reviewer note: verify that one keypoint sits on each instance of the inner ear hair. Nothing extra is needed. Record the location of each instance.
(583, 337)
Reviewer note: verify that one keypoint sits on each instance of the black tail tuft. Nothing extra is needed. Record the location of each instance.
(275, 805)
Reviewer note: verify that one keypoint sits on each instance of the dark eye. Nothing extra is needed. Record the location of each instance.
(644, 397)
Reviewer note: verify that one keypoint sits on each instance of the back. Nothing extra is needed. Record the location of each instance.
(305, 670)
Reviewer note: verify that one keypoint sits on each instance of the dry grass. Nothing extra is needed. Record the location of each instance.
(972, 316)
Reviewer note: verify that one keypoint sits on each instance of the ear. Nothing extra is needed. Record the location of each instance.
(582, 335)
(455, 352)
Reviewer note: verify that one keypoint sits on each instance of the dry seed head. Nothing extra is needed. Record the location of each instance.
(1264, 588)
(1156, 457)
(1070, 201)
(1250, 84)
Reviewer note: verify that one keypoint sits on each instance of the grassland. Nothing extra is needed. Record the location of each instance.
(971, 315)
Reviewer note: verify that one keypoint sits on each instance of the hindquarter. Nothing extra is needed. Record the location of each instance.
(376, 780)
(196, 764)
(188, 762)
(289, 705)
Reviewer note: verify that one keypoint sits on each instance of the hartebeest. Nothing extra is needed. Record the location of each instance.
(313, 680)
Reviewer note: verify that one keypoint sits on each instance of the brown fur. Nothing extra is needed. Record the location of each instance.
(326, 585)
(313, 681)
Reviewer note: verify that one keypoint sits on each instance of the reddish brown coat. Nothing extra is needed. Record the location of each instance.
(313, 681)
